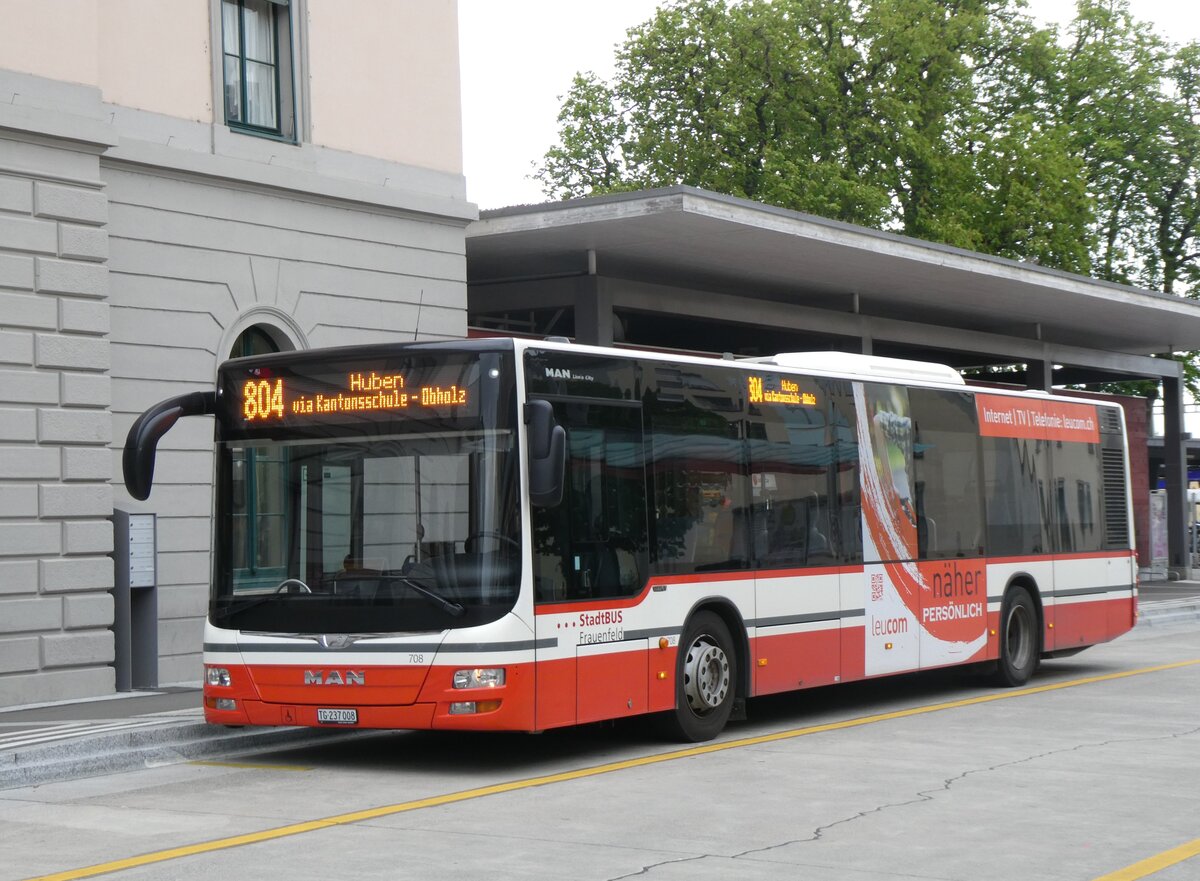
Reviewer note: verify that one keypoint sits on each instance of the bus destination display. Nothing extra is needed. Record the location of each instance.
(788, 392)
(268, 398)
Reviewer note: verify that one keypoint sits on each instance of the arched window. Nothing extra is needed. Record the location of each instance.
(260, 509)
(254, 340)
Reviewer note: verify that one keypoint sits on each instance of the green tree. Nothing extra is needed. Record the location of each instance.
(592, 134)
(957, 121)
(1173, 180)
(1031, 201)
(897, 114)
(1111, 103)
(1028, 199)
(758, 100)
(1131, 105)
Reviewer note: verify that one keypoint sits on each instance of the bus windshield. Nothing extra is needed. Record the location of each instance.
(387, 522)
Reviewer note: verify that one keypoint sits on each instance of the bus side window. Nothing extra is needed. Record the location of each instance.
(946, 469)
(847, 490)
(593, 544)
(696, 465)
(1078, 490)
(791, 484)
(1017, 481)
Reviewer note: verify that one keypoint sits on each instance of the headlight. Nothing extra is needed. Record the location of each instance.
(217, 676)
(481, 677)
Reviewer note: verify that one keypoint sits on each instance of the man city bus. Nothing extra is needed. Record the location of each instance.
(520, 535)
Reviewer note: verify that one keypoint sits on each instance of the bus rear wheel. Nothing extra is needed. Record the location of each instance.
(705, 680)
(1020, 646)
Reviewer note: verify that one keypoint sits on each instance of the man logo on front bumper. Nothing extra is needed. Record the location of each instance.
(335, 677)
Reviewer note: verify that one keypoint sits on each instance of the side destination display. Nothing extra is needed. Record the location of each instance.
(775, 389)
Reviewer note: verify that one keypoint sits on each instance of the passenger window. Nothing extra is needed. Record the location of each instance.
(792, 478)
(847, 521)
(696, 461)
(949, 498)
(1016, 473)
(1078, 490)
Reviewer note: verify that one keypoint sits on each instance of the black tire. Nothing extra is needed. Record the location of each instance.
(1020, 639)
(705, 681)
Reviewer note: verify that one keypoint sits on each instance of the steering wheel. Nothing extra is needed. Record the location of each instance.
(487, 533)
(293, 585)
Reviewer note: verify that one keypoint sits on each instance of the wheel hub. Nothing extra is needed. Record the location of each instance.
(1019, 636)
(706, 675)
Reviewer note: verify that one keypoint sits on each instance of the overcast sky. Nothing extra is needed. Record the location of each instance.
(518, 58)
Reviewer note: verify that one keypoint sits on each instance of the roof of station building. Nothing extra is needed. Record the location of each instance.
(691, 238)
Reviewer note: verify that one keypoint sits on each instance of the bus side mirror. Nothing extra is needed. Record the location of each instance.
(141, 444)
(547, 454)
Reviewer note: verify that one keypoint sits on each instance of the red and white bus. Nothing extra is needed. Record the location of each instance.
(520, 535)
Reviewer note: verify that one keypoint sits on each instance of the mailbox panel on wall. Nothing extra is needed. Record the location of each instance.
(135, 594)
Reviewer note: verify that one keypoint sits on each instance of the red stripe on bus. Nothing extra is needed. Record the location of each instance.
(628, 602)
(568, 607)
(552, 608)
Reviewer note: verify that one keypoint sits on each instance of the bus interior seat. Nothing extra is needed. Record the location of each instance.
(606, 569)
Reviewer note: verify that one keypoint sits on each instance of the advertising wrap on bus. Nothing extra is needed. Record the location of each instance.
(516, 535)
(1041, 420)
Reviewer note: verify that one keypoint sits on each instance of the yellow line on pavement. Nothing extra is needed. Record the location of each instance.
(1156, 863)
(174, 853)
(252, 766)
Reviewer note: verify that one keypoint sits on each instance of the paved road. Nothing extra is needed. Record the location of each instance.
(924, 777)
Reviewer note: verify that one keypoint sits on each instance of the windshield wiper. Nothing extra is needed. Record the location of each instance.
(448, 606)
(284, 589)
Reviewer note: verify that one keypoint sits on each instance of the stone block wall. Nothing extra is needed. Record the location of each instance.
(56, 498)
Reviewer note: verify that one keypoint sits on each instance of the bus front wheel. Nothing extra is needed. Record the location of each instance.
(1019, 644)
(705, 680)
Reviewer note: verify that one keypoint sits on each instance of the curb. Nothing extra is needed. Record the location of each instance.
(148, 747)
(1163, 612)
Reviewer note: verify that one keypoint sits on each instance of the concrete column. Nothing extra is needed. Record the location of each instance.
(1175, 458)
(593, 312)
(1039, 375)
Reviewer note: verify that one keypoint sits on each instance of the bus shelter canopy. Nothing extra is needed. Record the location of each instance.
(690, 269)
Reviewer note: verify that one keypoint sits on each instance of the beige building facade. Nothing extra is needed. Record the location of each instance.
(179, 182)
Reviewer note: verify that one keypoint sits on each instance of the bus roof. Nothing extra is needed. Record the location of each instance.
(842, 365)
(864, 366)
(846, 365)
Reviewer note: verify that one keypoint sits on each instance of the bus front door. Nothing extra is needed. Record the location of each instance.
(589, 562)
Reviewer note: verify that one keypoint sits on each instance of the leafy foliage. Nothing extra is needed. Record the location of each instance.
(956, 121)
